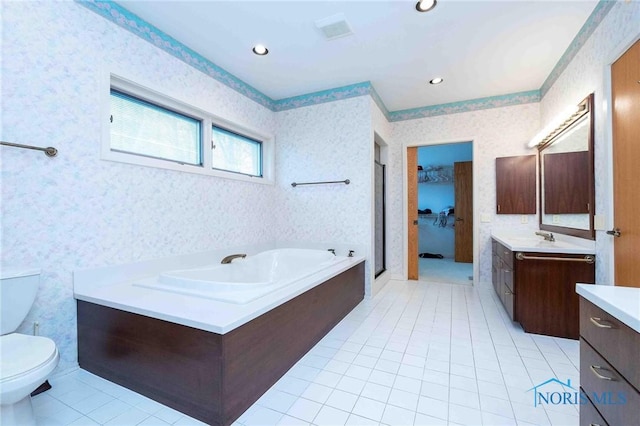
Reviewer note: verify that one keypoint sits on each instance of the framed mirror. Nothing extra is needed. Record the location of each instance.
(567, 193)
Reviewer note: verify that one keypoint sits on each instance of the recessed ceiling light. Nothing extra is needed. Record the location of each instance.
(259, 49)
(436, 80)
(425, 5)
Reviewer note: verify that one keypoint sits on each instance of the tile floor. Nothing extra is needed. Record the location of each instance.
(418, 353)
(445, 271)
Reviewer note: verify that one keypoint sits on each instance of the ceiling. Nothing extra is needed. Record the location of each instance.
(480, 48)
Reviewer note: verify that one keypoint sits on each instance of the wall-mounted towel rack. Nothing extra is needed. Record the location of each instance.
(346, 182)
(49, 151)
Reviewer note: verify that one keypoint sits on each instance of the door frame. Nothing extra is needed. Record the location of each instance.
(405, 202)
(378, 282)
(607, 246)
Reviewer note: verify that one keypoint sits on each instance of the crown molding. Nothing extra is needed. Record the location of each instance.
(133, 23)
(520, 98)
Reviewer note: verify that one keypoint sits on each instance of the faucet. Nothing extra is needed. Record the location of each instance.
(332, 251)
(229, 258)
(548, 236)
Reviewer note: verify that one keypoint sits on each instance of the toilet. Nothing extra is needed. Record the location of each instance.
(25, 361)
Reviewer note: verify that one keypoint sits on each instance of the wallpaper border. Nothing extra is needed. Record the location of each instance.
(133, 23)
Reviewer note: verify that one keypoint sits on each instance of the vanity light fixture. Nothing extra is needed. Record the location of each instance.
(260, 50)
(436, 80)
(426, 5)
(558, 125)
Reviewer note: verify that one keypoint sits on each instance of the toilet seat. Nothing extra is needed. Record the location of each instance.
(22, 354)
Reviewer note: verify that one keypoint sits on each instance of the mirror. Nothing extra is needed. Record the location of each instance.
(567, 194)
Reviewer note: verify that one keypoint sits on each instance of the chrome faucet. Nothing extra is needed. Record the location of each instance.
(332, 251)
(548, 236)
(229, 258)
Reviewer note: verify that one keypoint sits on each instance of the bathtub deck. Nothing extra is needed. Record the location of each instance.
(212, 377)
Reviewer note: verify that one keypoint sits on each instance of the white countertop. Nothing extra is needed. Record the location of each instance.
(529, 242)
(623, 303)
(204, 314)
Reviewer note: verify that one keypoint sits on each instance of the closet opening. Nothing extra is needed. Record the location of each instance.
(440, 198)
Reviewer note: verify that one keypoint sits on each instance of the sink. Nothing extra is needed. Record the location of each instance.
(538, 244)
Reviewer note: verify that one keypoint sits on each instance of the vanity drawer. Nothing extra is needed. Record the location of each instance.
(505, 254)
(615, 399)
(589, 415)
(507, 278)
(508, 300)
(615, 341)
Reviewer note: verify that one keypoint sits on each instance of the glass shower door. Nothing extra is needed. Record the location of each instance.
(380, 255)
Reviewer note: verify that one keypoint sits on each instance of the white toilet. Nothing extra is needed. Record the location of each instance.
(25, 361)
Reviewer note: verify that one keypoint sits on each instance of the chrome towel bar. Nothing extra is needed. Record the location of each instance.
(588, 258)
(49, 151)
(346, 182)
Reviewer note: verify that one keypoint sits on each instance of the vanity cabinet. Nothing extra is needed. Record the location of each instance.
(516, 185)
(538, 289)
(609, 374)
(502, 274)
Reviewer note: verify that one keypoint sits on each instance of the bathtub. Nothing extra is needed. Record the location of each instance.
(245, 280)
(185, 338)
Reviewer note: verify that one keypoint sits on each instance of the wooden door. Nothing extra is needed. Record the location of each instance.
(412, 213)
(625, 88)
(463, 187)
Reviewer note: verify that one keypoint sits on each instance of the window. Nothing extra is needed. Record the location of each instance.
(146, 127)
(142, 128)
(235, 153)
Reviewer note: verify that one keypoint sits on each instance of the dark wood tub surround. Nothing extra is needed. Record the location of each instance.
(211, 377)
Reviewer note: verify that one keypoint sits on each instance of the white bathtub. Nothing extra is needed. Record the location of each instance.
(244, 280)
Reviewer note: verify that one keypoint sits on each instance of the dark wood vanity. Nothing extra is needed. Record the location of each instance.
(535, 281)
(538, 290)
(609, 374)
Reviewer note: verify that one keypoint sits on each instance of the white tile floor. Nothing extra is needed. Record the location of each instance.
(445, 271)
(417, 353)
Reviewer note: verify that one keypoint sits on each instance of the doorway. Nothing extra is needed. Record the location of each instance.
(440, 196)
(625, 96)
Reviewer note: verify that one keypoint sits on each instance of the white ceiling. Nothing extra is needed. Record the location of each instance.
(480, 48)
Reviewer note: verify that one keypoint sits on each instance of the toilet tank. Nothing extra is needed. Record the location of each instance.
(18, 289)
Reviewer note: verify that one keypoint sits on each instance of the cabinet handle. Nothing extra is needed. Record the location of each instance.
(598, 375)
(595, 320)
(588, 258)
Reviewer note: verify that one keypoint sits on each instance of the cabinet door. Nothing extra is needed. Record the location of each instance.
(565, 174)
(495, 266)
(516, 185)
(546, 298)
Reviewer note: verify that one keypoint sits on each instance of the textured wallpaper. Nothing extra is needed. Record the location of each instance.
(77, 211)
(326, 142)
(584, 75)
(498, 132)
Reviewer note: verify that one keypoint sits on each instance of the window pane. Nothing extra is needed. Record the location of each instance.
(139, 127)
(236, 153)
